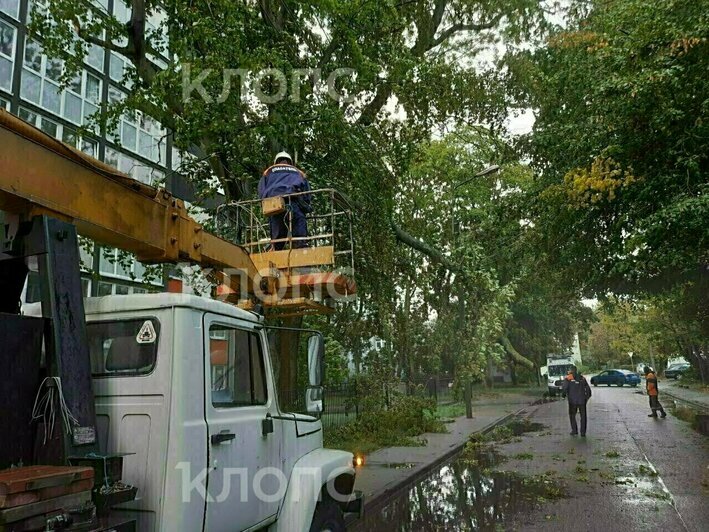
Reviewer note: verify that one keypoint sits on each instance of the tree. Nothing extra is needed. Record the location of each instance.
(620, 145)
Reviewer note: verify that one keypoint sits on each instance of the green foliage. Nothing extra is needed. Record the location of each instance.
(336, 370)
(397, 425)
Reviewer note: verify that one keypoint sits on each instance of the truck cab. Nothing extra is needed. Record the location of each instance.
(184, 387)
(557, 368)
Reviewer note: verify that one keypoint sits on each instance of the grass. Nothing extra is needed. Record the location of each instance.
(613, 454)
(451, 410)
(523, 456)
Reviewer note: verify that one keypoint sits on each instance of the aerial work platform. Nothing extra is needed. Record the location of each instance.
(314, 271)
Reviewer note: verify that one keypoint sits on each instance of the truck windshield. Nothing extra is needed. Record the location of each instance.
(123, 348)
(560, 370)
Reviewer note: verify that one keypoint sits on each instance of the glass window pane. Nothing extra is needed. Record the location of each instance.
(112, 157)
(7, 39)
(33, 56)
(146, 145)
(89, 111)
(89, 147)
(105, 289)
(4, 104)
(49, 127)
(238, 377)
(114, 95)
(30, 86)
(107, 261)
(122, 290)
(93, 88)
(54, 69)
(94, 57)
(10, 7)
(128, 137)
(28, 116)
(72, 108)
(69, 136)
(75, 84)
(6, 74)
(51, 97)
(127, 347)
(116, 68)
(121, 11)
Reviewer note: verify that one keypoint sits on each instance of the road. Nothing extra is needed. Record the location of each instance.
(631, 472)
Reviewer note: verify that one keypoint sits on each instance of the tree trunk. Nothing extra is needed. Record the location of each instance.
(468, 396)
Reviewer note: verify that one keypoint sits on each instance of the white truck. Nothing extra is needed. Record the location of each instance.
(186, 385)
(557, 368)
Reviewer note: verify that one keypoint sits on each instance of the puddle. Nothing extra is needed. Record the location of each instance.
(520, 426)
(465, 494)
(698, 421)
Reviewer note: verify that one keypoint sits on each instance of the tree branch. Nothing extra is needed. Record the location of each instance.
(460, 27)
(514, 354)
(419, 245)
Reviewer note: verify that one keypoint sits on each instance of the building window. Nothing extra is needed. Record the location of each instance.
(10, 8)
(134, 168)
(129, 270)
(4, 104)
(64, 133)
(41, 85)
(8, 36)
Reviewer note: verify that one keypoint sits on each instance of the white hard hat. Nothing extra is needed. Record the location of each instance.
(283, 155)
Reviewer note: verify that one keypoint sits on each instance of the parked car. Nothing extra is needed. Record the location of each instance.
(675, 371)
(619, 377)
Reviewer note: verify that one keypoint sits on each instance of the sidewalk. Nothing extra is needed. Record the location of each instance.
(388, 470)
(694, 397)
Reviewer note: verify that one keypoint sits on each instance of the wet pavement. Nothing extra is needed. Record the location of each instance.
(631, 473)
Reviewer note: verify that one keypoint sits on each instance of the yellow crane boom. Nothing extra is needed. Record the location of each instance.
(41, 175)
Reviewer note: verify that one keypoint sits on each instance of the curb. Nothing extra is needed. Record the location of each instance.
(387, 495)
(701, 406)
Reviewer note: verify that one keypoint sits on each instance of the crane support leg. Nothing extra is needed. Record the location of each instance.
(55, 244)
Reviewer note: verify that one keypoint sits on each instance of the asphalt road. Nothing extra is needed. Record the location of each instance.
(631, 472)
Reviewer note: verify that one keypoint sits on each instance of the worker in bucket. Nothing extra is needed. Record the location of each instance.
(576, 389)
(652, 392)
(280, 181)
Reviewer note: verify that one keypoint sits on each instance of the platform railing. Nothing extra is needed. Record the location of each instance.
(329, 226)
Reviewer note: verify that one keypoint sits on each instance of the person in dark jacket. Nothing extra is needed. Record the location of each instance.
(577, 391)
(653, 393)
(283, 179)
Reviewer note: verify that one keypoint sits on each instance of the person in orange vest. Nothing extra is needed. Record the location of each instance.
(576, 389)
(651, 387)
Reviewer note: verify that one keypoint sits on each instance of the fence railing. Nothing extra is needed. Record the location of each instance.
(344, 403)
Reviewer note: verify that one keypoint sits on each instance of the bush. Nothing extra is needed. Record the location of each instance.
(381, 426)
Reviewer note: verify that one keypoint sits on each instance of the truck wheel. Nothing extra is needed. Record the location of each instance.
(328, 517)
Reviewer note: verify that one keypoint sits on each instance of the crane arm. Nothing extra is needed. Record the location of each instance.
(41, 175)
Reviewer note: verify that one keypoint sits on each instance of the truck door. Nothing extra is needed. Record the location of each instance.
(243, 483)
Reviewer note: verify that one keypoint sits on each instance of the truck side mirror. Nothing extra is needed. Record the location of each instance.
(316, 361)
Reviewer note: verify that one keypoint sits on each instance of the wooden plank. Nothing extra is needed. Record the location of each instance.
(10, 515)
(295, 258)
(28, 478)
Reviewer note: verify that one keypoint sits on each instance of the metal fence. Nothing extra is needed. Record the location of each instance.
(345, 402)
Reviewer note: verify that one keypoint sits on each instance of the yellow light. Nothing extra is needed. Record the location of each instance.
(358, 460)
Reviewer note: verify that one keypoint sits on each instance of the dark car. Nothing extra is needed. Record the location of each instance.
(675, 371)
(619, 377)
